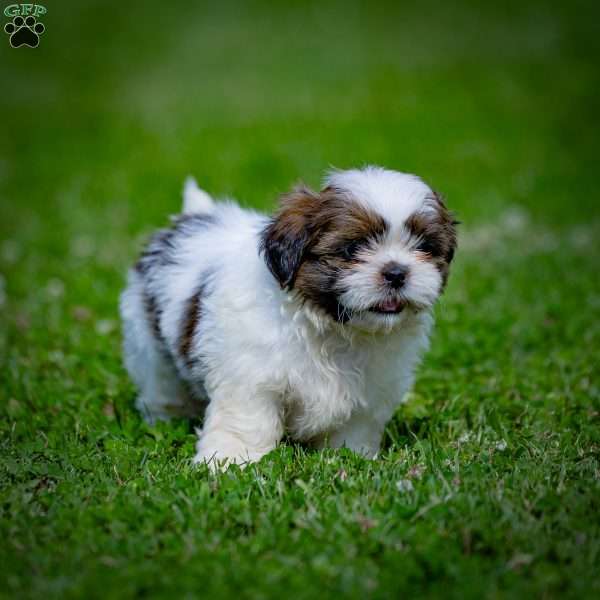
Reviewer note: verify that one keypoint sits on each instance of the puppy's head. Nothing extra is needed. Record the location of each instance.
(373, 246)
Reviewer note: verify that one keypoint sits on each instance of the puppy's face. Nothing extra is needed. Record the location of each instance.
(372, 247)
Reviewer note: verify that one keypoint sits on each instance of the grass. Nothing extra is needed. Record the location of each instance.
(489, 481)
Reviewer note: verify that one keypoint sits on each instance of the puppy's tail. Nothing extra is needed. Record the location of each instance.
(195, 200)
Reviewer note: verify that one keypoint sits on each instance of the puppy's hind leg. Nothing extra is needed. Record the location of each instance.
(240, 426)
(161, 394)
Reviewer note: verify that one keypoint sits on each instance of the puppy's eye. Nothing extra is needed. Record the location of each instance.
(349, 250)
(428, 247)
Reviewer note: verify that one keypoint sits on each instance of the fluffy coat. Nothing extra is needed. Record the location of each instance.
(268, 327)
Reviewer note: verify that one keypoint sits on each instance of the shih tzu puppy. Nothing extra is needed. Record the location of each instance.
(310, 322)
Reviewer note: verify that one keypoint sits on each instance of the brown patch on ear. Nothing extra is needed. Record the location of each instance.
(448, 225)
(287, 237)
(344, 227)
(437, 232)
(313, 239)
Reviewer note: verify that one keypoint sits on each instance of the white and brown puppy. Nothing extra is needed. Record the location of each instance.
(310, 322)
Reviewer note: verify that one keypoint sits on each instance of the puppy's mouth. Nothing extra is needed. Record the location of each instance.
(391, 306)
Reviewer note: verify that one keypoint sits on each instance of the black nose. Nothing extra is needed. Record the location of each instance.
(395, 274)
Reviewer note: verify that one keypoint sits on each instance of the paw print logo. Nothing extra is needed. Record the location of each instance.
(24, 32)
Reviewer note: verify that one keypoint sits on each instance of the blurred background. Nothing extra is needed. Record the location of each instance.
(495, 104)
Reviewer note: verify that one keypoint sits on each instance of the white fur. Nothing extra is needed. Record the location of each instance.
(195, 200)
(267, 363)
(395, 196)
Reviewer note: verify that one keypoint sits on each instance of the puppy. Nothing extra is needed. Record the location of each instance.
(310, 322)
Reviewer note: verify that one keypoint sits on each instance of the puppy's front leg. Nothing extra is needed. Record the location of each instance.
(240, 426)
(361, 433)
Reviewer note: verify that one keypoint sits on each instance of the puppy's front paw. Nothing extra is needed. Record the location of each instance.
(218, 452)
(216, 462)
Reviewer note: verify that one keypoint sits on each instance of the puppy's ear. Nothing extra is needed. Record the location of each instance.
(288, 236)
(449, 223)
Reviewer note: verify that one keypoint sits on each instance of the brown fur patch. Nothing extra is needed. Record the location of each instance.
(344, 228)
(289, 234)
(342, 221)
(313, 238)
(437, 233)
(191, 317)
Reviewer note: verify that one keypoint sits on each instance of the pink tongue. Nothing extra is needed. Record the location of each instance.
(390, 305)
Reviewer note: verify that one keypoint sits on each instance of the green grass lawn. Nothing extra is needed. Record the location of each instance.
(489, 482)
